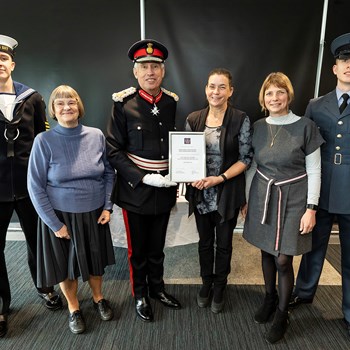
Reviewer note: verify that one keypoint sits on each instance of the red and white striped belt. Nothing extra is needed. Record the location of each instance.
(270, 183)
(149, 164)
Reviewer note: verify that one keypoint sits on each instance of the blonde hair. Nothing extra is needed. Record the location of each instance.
(65, 91)
(280, 80)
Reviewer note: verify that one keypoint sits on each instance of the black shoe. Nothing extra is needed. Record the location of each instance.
(166, 299)
(278, 328)
(217, 304)
(203, 301)
(143, 309)
(53, 300)
(203, 296)
(76, 322)
(216, 307)
(267, 309)
(3, 325)
(104, 310)
(347, 325)
(295, 301)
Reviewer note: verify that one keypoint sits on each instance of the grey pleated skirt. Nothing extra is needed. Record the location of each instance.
(88, 252)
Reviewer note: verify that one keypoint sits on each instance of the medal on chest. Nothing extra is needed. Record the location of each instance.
(155, 111)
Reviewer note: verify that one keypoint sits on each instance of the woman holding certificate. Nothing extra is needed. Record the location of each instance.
(217, 199)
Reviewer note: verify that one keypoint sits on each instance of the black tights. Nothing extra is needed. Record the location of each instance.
(283, 264)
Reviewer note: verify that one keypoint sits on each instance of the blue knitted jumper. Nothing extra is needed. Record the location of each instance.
(68, 171)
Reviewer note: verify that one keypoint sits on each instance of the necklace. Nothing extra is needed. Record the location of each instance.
(273, 137)
(215, 120)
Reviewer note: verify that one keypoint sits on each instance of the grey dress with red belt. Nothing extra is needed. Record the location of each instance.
(278, 193)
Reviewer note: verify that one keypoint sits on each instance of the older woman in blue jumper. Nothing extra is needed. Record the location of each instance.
(70, 182)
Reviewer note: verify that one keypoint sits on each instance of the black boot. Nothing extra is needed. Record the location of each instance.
(203, 296)
(217, 304)
(267, 309)
(279, 327)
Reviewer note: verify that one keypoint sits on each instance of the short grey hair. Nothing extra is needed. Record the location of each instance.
(161, 64)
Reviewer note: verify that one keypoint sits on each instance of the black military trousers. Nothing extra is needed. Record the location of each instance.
(215, 246)
(146, 239)
(28, 219)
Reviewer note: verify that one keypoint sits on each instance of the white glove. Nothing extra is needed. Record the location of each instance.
(158, 180)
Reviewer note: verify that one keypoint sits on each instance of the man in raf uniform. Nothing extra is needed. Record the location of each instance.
(331, 113)
(137, 145)
(22, 117)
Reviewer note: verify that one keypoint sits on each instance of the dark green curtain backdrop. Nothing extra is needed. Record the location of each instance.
(84, 44)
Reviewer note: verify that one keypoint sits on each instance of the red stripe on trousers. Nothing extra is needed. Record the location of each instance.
(128, 238)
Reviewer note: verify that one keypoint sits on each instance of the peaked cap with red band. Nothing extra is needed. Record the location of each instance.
(148, 50)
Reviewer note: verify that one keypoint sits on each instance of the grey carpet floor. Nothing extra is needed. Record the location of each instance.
(31, 326)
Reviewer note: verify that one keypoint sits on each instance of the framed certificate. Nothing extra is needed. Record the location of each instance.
(187, 156)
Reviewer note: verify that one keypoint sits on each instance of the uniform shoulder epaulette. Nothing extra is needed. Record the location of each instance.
(119, 96)
(172, 94)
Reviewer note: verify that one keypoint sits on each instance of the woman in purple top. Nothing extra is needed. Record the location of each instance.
(70, 182)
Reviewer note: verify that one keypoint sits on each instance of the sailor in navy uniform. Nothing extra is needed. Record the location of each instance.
(22, 117)
(331, 113)
(137, 145)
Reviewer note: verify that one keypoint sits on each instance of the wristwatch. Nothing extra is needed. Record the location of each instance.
(312, 206)
(224, 177)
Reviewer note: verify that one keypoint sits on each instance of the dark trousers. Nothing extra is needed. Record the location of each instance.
(210, 230)
(146, 240)
(28, 219)
(312, 263)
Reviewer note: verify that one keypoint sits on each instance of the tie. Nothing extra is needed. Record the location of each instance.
(344, 103)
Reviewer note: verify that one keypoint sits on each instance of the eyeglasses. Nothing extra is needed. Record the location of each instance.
(62, 104)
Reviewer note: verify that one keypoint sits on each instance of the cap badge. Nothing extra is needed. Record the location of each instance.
(149, 48)
(4, 48)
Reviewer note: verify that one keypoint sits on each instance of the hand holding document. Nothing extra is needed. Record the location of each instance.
(187, 156)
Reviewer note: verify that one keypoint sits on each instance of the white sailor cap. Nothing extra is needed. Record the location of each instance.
(8, 45)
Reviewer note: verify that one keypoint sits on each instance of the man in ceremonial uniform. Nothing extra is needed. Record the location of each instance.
(22, 117)
(331, 113)
(137, 145)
